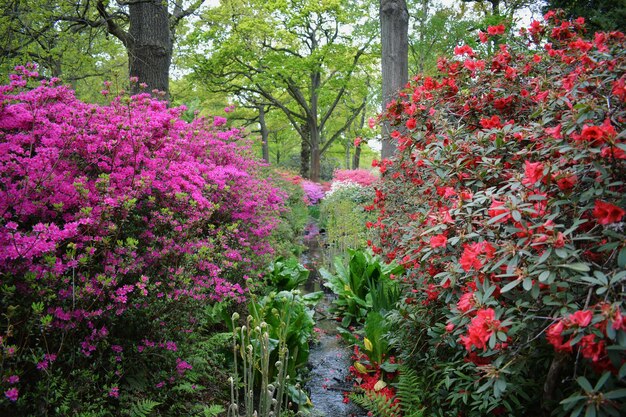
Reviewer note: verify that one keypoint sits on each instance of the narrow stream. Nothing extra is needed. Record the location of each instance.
(329, 360)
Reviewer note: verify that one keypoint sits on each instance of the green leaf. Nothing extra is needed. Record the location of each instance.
(615, 394)
(543, 277)
(584, 384)
(578, 266)
(508, 287)
(621, 258)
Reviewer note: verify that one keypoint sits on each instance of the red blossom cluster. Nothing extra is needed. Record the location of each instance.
(590, 334)
(507, 199)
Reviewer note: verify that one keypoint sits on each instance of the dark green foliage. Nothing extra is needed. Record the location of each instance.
(142, 408)
(286, 274)
(364, 283)
(600, 15)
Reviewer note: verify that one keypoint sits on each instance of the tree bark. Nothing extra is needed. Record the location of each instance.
(314, 128)
(264, 135)
(356, 158)
(305, 153)
(150, 44)
(394, 27)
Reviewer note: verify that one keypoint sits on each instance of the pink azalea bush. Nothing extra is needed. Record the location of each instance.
(313, 192)
(117, 224)
(506, 205)
(359, 176)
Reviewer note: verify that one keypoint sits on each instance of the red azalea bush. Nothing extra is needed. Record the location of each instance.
(506, 203)
(118, 224)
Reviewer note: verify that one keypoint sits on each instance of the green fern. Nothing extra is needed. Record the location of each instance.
(143, 408)
(377, 403)
(213, 410)
(408, 392)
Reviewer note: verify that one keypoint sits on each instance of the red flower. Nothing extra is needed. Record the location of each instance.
(470, 257)
(438, 241)
(607, 213)
(482, 36)
(357, 142)
(411, 123)
(591, 349)
(497, 208)
(555, 337)
(581, 318)
(480, 329)
(466, 302)
(533, 172)
(492, 122)
(496, 30)
(567, 183)
(465, 49)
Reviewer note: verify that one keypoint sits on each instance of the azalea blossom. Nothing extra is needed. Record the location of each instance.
(607, 213)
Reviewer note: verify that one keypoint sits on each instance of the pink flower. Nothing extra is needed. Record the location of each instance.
(114, 392)
(12, 394)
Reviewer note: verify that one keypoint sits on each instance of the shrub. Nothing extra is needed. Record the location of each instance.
(119, 223)
(343, 216)
(360, 176)
(505, 203)
(313, 192)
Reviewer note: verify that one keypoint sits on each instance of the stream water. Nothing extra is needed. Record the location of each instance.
(329, 360)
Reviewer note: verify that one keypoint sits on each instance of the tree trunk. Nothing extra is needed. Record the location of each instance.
(305, 153)
(356, 158)
(264, 135)
(315, 154)
(314, 129)
(150, 44)
(394, 27)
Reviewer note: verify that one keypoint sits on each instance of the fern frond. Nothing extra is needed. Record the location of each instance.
(214, 410)
(377, 403)
(143, 408)
(408, 392)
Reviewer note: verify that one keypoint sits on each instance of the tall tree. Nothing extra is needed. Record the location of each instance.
(296, 56)
(394, 27)
(32, 32)
(146, 28)
(149, 39)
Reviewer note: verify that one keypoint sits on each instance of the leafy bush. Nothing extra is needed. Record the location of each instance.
(366, 282)
(119, 224)
(506, 205)
(292, 220)
(286, 274)
(343, 216)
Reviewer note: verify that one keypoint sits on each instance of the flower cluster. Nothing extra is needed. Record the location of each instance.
(506, 205)
(362, 177)
(117, 223)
